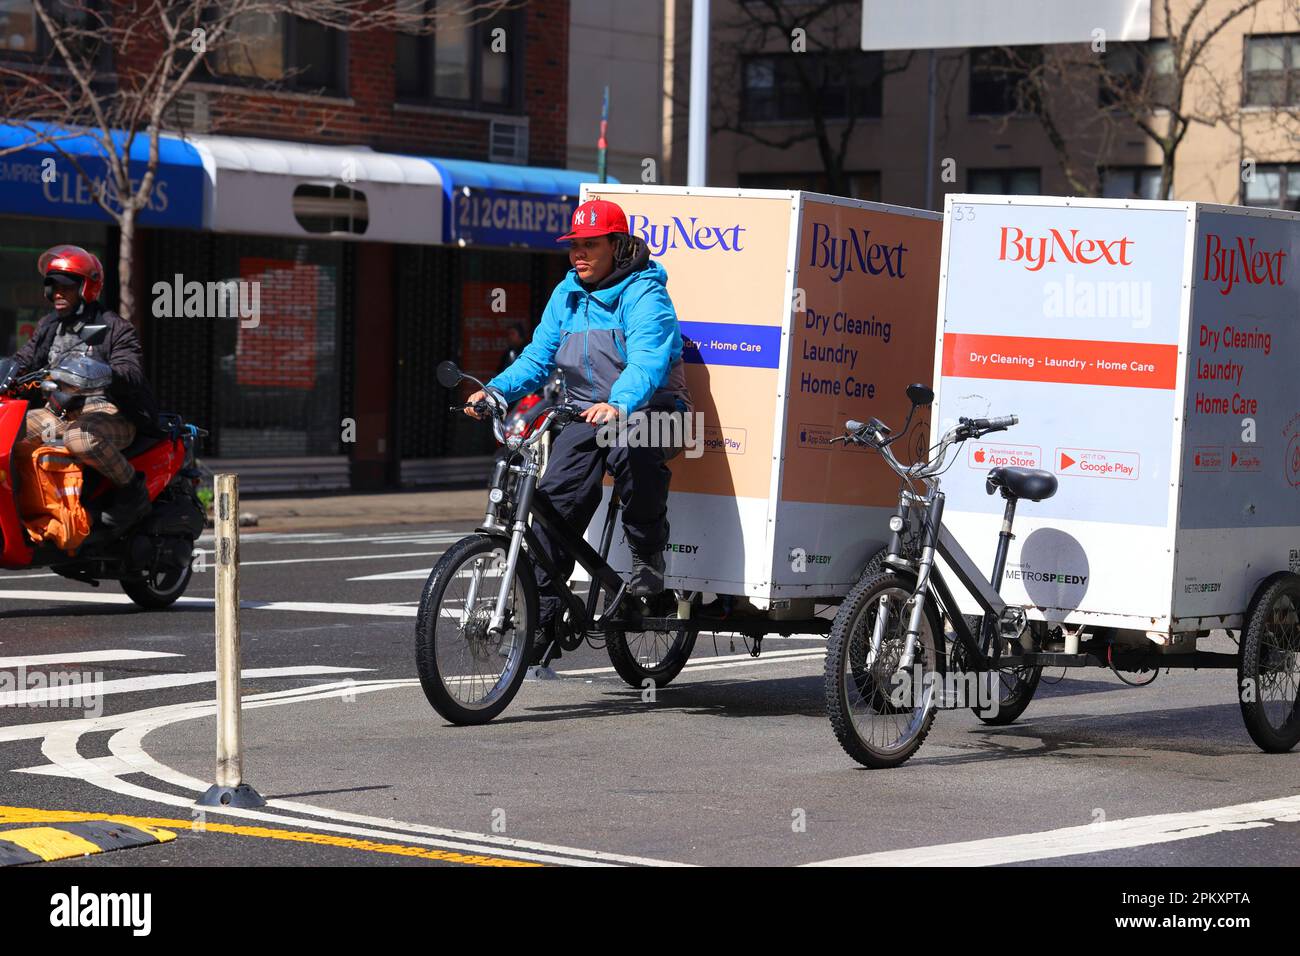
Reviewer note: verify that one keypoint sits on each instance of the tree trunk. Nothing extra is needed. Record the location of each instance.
(1167, 169)
(125, 265)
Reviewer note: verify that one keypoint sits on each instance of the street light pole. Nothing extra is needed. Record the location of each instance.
(697, 139)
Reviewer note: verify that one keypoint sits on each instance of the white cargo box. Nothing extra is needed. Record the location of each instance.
(1150, 351)
(801, 311)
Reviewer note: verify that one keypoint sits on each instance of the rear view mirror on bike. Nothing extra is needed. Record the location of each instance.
(448, 374)
(920, 394)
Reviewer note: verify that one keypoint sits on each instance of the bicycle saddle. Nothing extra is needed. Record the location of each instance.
(1021, 483)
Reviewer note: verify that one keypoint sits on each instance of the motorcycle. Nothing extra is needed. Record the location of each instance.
(151, 559)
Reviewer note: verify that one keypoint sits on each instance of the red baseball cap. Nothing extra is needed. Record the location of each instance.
(596, 217)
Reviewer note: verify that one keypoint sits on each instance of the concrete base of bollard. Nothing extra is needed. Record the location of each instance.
(243, 797)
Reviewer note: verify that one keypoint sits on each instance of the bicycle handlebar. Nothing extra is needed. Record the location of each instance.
(872, 434)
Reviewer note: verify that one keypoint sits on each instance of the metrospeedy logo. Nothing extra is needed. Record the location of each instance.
(1036, 251)
(1229, 264)
(691, 234)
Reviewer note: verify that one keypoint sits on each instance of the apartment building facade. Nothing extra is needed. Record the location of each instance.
(869, 116)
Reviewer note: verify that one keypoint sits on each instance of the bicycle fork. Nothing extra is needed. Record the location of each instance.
(916, 604)
(522, 506)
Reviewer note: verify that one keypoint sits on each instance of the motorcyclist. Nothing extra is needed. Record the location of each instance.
(95, 432)
(610, 326)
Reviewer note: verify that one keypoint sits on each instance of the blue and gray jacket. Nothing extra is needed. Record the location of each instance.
(618, 343)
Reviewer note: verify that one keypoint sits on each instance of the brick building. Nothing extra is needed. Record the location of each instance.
(394, 200)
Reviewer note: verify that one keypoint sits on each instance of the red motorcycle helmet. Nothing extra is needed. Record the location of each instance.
(74, 261)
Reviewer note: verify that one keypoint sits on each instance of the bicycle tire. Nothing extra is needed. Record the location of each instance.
(845, 638)
(432, 679)
(1018, 697)
(627, 662)
(1276, 618)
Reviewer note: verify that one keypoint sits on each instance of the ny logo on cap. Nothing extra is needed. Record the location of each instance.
(577, 217)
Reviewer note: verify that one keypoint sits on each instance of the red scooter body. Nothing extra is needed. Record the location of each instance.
(159, 464)
(151, 558)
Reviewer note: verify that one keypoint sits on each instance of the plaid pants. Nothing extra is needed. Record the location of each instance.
(93, 435)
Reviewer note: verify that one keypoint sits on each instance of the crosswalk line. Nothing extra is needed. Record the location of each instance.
(83, 657)
(317, 607)
(94, 690)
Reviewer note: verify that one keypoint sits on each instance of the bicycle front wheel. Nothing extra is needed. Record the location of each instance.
(470, 673)
(881, 717)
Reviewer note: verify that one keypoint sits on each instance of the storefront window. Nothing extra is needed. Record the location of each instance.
(22, 299)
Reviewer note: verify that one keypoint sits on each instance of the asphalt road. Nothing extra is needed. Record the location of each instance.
(734, 763)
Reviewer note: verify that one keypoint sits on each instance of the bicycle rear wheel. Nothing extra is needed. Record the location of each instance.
(1012, 688)
(470, 675)
(1268, 668)
(880, 720)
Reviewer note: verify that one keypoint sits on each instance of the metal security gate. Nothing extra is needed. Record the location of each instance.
(455, 304)
(270, 387)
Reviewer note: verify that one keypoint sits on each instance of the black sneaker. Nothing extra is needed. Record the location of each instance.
(647, 575)
(543, 637)
(130, 504)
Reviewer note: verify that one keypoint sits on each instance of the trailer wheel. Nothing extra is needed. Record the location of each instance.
(1015, 688)
(653, 656)
(1268, 667)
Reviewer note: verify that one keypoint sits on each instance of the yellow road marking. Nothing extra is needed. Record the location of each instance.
(50, 843)
(33, 815)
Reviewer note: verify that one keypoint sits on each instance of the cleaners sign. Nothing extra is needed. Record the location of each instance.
(41, 181)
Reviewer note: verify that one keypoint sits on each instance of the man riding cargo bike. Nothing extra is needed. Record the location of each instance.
(611, 330)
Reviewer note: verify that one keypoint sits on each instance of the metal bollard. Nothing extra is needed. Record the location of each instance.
(230, 789)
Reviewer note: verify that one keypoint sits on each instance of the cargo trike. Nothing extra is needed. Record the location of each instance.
(901, 648)
(476, 633)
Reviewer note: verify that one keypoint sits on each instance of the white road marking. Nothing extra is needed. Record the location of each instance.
(332, 538)
(345, 557)
(318, 607)
(111, 764)
(60, 747)
(83, 657)
(1087, 838)
(714, 663)
(412, 575)
(127, 685)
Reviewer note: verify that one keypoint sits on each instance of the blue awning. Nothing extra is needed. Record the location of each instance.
(495, 204)
(39, 180)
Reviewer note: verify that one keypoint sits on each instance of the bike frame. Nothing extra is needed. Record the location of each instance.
(938, 540)
(511, 515)
(527, 507)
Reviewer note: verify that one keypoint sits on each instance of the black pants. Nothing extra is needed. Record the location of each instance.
(572, 484)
